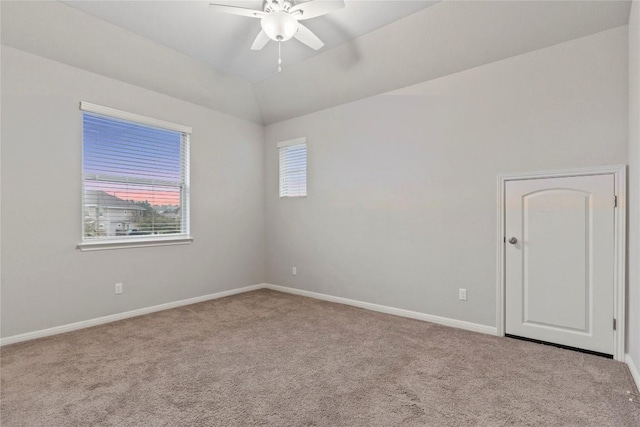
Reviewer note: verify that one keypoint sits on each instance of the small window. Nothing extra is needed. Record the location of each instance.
(293, 167)
(134, 169)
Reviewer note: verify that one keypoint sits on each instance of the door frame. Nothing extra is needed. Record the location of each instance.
(620, 221)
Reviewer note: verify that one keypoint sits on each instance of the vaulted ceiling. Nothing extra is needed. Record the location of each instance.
(183, 49)
(224, 41)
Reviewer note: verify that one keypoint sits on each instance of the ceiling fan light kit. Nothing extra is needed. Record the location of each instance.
(280, 21)
(279, 26)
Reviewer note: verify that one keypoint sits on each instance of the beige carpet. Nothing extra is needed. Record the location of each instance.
(268, 358)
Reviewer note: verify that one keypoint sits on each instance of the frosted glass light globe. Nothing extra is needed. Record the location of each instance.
(279, 26)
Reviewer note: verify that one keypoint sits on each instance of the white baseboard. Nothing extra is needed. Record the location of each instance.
(120, 316)
(633, 369)
(461, 324)
(366, 305)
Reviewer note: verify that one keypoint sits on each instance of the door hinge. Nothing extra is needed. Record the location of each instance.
(504, 239)
(614, 324)
(615, 201)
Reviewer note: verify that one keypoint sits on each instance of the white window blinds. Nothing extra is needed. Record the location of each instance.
(135, 176)
(293, 167)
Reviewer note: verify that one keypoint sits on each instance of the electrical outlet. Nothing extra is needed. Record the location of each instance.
(294, 271)
(118, 288)
(462, 294)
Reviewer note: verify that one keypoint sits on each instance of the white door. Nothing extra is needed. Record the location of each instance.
(559, 253)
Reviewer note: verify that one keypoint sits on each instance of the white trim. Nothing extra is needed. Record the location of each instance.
(124, 115)
(619, 172)
(635, 374)
(461, 324)
(120, 316)
(106, 244)
(290, 142)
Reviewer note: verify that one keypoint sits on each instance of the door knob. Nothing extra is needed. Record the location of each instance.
(513, 240)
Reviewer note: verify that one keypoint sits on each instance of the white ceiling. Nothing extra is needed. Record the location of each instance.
(224, 41)
(209, 59)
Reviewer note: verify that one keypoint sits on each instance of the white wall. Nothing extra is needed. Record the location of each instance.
(633, 303)
(46, 281)
(401, 208)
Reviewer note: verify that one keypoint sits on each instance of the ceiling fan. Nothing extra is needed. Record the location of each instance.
(280, 20)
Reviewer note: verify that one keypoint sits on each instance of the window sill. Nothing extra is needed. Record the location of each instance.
(133, 243)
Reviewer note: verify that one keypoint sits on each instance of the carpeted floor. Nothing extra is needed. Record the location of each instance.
(268, 358)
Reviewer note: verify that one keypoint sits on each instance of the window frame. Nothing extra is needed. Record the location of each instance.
(146, 240)
(292, 143)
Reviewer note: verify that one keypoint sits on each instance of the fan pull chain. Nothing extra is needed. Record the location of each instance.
(279, 57)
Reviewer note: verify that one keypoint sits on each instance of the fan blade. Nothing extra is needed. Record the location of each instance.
(314, 8)
(242, 11)
(307, 37)
(261, 41)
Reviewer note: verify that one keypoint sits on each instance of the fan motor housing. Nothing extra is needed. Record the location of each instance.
(277, 5)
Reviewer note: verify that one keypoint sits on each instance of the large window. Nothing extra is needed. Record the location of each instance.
(293, 167)
(135, 176)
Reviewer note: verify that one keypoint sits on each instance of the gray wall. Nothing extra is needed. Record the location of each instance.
(633, 302)
(401, 206)
(402, 186)
(46, 281)
(57, 31)
(448, 37)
